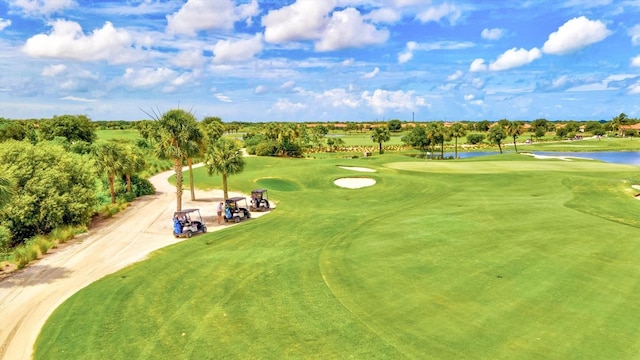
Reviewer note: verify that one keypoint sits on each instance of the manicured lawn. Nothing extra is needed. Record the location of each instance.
(127, 134)
(500, 257)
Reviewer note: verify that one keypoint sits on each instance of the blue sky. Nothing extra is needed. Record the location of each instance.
(321, 60)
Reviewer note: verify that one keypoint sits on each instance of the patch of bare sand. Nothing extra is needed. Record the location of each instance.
(357, 168)
(354, 183)
(29, 296)
(564, 158)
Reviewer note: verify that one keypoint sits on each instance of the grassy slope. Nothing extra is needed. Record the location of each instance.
(500, 257)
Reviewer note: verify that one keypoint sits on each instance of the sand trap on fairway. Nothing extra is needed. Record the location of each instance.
(355, 168)
(637, 187)
(564, 158)
(354, 183)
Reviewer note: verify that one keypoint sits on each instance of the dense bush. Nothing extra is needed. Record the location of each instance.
(475, 138)
(53, 188)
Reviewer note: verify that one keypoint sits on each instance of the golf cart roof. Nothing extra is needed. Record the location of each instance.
(259, 190)
(237, 198)
(186, 211)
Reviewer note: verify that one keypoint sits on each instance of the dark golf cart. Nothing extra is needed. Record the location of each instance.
(259, 200)
(188, 222)
(235, 209)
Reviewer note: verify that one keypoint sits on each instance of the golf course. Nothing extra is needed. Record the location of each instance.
(496, 257)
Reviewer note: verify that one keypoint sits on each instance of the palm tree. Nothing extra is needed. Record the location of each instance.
(380, 134)
(495, 136)
(195, 147)
(618, 121)
(6, 191)
(224, 158)
(457, 130)
(133, 162)
(435, 133)
(109, 158)
(515, 129)
(173, 141)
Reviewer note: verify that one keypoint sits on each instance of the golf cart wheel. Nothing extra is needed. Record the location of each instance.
(204, 229)
(236, 219)
(189, 234)
(247, 215)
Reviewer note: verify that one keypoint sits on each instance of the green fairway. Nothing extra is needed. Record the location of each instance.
(500, 257)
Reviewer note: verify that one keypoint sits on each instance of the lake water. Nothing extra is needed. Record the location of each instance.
(616, 157)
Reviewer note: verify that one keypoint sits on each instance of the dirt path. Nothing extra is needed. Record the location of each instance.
(29, 296)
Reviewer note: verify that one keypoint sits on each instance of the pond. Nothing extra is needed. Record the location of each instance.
(616, 157)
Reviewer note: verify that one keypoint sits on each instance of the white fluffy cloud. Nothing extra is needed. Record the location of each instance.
(197, 15)
(383, 15)
(4, 23)
(455, 76)
(53, 70)
(635, 61)
(347, 29)
(339, 97)
(492, 34)
(285, 105)
(67, 41)
(515, 58)
(189, 59)
(413, 46)
(147, 77)
(382, 100)
(371, 74)
(478, 65)
(302, 20)
(226, 51)
(41, 7)
(574, 35)
(437, 13)
(313, 20)
(634, 32)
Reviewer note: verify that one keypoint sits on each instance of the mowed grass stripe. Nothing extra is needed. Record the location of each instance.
(423, 264)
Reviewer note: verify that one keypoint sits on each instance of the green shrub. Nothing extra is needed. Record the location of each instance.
(5, 239)
(475, 138)
(24, 254)
(43, 244)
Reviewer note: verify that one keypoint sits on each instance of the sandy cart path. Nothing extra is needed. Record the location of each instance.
(29, 296)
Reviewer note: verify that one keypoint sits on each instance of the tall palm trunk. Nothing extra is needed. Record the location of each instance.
(456, 141)
(177, 166)
(514, 144)
(128, 183)
(224, 185)
(112, 187)
(193, 193)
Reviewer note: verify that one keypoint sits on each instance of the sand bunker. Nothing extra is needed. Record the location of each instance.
(354, 183)
(637, 187)
(355, 168)
(564, 158)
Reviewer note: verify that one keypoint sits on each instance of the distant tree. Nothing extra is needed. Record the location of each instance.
(380, 135)
(457, 130)
(134, 162)
(224, 158)
(73, 128)
(495, 136)
(504, 123)
(483, 125)
(335, 143)
(515, 129)
(417, 138)
(318, 134)
(109, 158)
(13, 130)
(475, 138)
(394, 125)
(436, 135)
(618, 121)
(592, 127)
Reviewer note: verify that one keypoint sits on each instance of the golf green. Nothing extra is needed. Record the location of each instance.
(505, 257)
